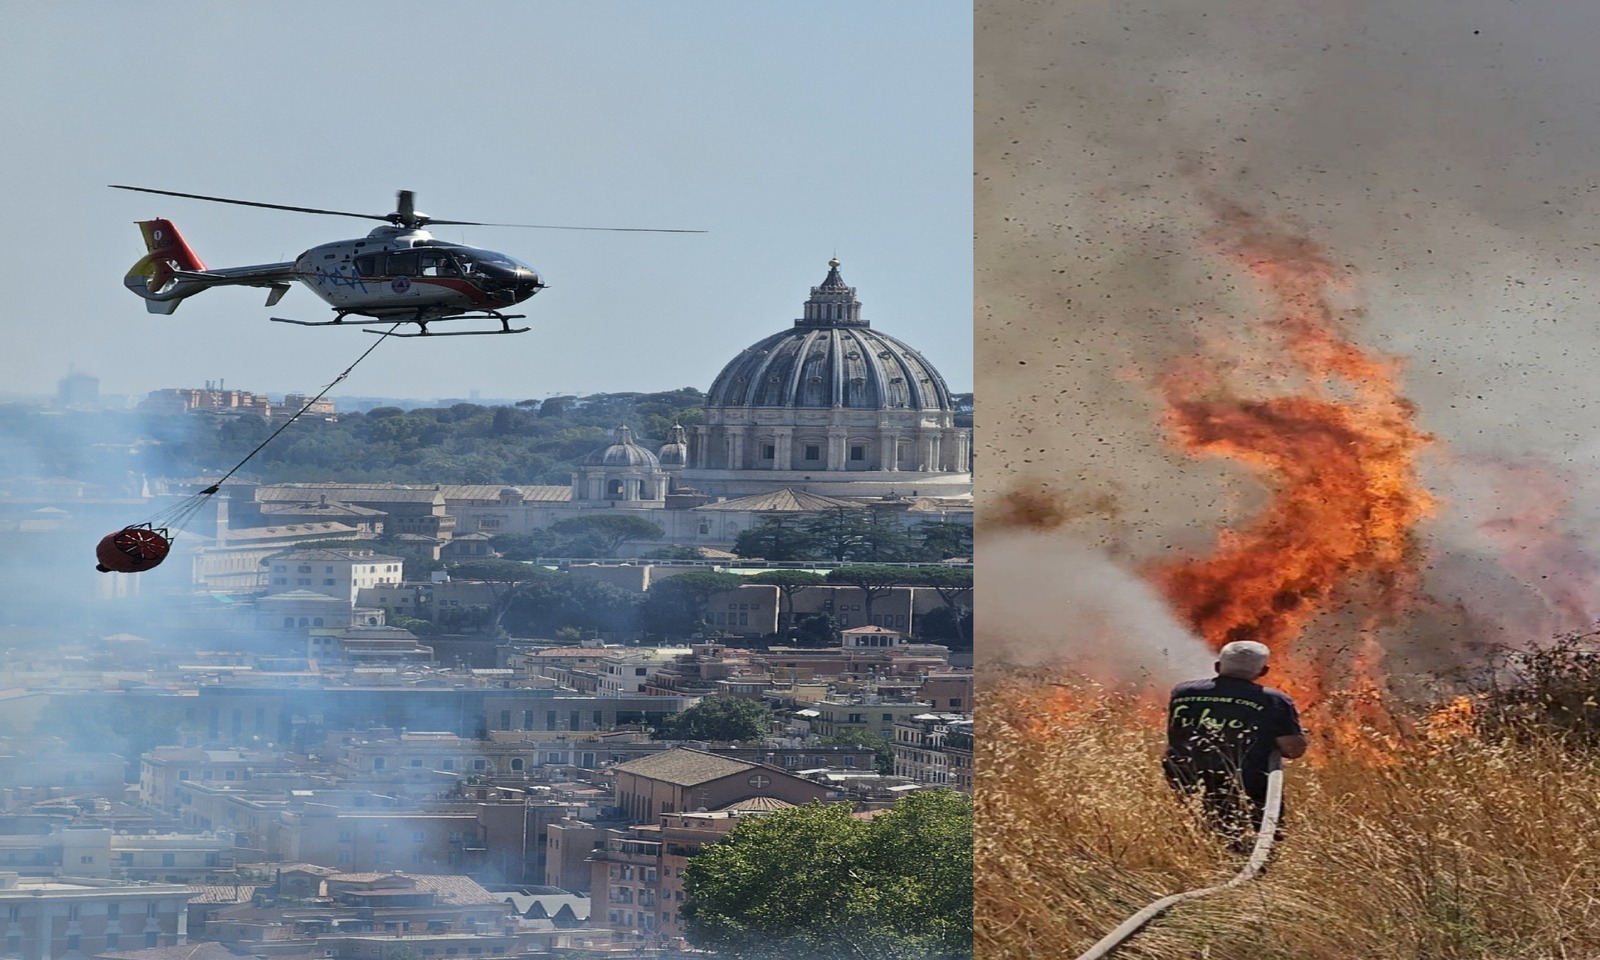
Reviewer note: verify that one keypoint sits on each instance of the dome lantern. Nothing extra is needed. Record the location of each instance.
(832, 303)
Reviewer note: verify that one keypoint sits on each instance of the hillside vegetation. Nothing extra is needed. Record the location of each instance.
(531, 442)
(1473, 835)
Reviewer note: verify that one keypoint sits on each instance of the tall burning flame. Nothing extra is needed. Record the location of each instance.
(1322, 424)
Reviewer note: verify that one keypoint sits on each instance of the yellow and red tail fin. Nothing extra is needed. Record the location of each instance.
(152, 277)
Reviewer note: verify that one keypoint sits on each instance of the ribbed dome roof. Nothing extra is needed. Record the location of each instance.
(830, 358)
(622, 452)
(675, 452)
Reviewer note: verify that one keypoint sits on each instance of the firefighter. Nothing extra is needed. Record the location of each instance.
(1221, 734)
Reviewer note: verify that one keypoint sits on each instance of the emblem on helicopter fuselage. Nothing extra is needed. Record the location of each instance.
(400, 284)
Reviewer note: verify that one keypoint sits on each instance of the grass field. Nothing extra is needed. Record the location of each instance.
(1438, 844)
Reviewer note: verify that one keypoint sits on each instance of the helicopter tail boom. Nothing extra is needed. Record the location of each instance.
(170, 272)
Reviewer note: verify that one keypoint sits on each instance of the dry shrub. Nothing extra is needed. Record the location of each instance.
(1455, 844)
(1551, 689)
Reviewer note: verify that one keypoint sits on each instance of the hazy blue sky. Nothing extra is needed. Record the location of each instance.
(792, 132)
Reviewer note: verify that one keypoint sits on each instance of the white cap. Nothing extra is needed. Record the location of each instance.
(1244, 659)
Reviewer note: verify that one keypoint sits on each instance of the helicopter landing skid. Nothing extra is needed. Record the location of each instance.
(422, 324)
(425, 332)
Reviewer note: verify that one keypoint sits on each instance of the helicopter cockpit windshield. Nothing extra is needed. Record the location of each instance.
(490, 262)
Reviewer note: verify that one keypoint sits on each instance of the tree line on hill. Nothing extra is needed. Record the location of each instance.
(842, 535)
(530, 442)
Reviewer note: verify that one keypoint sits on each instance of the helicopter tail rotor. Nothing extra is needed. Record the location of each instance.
(156, 276)
(170, 273)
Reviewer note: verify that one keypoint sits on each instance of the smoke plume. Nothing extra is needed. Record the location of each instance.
(1068, 605)
(1433, 151)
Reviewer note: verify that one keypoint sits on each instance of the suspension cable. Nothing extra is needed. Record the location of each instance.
(1265, 837)
(179, 514)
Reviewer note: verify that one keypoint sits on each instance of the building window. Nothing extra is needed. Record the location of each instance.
(516, 764)
(73, 910)
(419, 837)
(813, 452)
(768, 451)
(858, 453)
(113, 911)
(328, 582)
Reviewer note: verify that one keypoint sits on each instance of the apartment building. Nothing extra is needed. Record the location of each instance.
(54, 917)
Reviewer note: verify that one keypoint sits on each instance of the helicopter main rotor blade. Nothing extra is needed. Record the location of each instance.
(547, 226)
(405, 213)
(253, 203)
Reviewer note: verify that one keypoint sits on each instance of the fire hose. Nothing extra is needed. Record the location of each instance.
(1258, 858)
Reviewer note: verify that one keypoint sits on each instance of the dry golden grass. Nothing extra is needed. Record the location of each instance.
(1462, 847)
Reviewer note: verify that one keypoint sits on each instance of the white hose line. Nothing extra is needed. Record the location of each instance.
(1258, 859)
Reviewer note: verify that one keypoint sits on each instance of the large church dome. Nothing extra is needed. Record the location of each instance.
(830, 358)
(829, 406)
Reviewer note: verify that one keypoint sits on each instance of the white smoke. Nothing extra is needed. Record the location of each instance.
(1049, 600)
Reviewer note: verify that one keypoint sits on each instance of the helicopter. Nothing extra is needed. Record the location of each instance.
(398, 272)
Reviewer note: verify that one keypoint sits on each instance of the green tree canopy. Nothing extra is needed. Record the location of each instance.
(814, 883)
(524, 546)
(872, 579)
(777, 539)
(718, 718)
(943, 541)
(789, 583)
(676, 606)
(610, 530)
(506, 579)
(544, 606)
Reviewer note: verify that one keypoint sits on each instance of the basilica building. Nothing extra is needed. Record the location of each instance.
(833, 407)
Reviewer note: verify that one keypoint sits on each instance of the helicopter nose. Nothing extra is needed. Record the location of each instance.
(528, 284)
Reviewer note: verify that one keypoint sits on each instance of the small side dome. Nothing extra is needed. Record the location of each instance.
(510, 495)
(675, 452)
(623, 452)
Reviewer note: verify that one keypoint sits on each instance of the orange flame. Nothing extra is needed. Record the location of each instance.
(1336, 444)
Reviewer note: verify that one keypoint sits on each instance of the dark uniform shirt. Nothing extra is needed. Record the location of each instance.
(1225, 726)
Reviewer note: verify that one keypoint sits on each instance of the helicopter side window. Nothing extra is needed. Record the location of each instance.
(367, 266)
(437, 264)
(401, 264)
